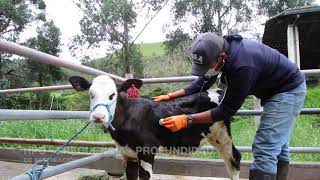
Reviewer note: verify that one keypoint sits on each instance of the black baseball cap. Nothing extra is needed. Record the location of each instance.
(204, 50)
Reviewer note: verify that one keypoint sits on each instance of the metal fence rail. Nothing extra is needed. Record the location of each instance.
(165, 165)
(52, 171)
(13, 48)
(11, 114)
(304, 111)
(310, 72)
(305, 150)
(36, 89)
(56, 142)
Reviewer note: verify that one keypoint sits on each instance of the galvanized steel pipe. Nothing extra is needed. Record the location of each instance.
(36, 89)
(169, 79)
(310, 72)
(56, 142)
(304, 150)
(259, 112)
(12, 114)
(55, 170)
(13, 48)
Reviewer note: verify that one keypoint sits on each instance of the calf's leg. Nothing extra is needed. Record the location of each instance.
(132, 170)
(145, 166)
(219, 137)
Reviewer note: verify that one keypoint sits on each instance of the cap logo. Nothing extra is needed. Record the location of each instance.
(197, 59)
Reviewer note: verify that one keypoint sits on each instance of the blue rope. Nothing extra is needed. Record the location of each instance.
(35, 173)
(108, 106)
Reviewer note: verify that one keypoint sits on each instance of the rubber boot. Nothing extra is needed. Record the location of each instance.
(260, 175)
(282, 170)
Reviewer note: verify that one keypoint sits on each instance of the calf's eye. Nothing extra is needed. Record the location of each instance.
(111, 96)
(91, 95)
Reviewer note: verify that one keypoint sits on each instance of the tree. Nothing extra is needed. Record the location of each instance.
(274, 7)
(175, 39)
(220, 16)
(223, 16)
(113, 62)
(15, 15)
(107, 20)
(47, 41)
(215, 16)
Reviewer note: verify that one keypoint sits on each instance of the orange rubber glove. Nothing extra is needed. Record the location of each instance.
(166, 97)
(175, 123)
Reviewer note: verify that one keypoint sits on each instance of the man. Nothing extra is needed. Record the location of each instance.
(248, 68)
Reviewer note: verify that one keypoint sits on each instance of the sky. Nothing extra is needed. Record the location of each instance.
(66, 16)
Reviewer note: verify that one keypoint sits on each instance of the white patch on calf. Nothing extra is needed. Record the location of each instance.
(235, 175)
(220, 139)
(213, 95)
(101, 89)
(203, 135)
(126, 152)
(147, 167)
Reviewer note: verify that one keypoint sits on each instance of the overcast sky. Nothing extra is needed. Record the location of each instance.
(66, 16)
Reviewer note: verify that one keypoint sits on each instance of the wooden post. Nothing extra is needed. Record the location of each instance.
(128, 76)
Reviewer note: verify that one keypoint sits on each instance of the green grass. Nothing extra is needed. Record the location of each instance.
(52, 129)
(306, 132)
(152, 49)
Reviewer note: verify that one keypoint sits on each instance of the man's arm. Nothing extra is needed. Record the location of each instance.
(169, 96)
(194, 87)
(239, 85)
(238, 89)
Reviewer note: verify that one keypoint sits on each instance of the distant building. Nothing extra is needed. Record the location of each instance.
(296, 34)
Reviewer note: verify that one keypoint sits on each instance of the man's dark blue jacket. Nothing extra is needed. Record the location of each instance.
(251, 68)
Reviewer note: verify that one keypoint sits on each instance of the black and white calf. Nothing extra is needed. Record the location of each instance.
(134, 124)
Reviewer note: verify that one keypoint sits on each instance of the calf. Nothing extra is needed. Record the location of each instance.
(133, 123)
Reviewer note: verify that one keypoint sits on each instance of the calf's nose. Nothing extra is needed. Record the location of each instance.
(98, 117)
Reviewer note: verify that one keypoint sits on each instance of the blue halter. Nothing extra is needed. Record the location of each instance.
(108, 106)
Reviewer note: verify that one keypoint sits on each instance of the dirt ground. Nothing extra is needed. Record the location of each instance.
(11, 169)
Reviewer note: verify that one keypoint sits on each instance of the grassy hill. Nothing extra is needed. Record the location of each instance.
(152, 49)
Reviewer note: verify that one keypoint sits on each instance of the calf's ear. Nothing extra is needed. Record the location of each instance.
(79, 83)
(128, 83)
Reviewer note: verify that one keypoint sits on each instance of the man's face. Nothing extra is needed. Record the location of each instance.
(217, 63)
(214, 63)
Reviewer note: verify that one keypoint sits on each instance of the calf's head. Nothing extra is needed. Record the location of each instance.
(103, 96)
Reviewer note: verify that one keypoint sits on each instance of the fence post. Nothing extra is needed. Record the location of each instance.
(257, 106)
(293, 44)
(128, 76)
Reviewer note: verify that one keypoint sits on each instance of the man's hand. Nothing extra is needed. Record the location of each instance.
(161, 98)
(176, 123)
(169, 96)
(166, 97)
